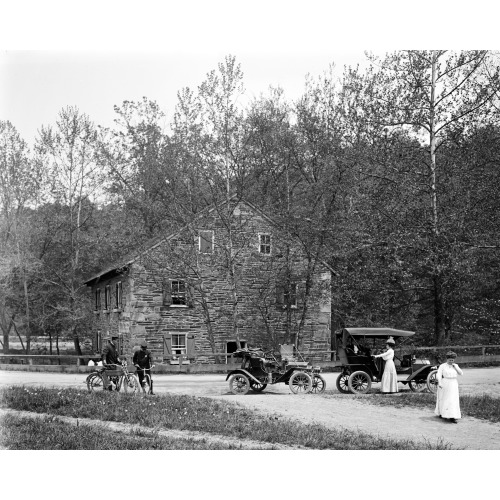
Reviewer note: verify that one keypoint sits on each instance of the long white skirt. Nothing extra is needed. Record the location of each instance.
(389, 377)
(447, 401)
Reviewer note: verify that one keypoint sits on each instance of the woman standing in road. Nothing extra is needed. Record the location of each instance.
(389, 377)
(447, 401)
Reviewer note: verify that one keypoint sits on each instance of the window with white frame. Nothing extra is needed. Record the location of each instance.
(98, 299)
(118, 295)
(265, 243)
(178, 292)
(206, 241)
(179, 344)
(107, 297)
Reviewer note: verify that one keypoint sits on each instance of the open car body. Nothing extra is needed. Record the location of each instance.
(355, 350)
(259, 369)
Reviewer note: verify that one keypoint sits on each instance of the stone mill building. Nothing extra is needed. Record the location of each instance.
(229, 276)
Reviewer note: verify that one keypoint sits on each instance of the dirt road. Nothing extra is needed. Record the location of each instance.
(330, 409)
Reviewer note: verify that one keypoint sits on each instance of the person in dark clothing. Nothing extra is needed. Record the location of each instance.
(143, 361)
(109, 359)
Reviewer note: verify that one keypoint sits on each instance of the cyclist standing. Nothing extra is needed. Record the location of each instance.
(109, 357)
(143, 360)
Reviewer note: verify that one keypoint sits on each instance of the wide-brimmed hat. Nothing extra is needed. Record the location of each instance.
(451, 354)
(390, 341)
(144, 344)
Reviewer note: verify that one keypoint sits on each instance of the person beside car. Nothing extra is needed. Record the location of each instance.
(447, 396)
(389, 380)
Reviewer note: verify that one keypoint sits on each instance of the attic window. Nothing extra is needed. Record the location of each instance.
(265, 244)
(98, 299)
(206, 241)
(107, 297)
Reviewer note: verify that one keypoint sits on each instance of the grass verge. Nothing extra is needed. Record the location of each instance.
(481, 406)
(24, 433)
(198, 414)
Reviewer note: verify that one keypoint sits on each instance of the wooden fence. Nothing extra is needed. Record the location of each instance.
(466, 354)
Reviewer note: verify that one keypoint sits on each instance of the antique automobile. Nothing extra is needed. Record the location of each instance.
(355, 349)
(261, 368)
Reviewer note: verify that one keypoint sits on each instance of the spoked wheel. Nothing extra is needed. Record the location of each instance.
(432, 381)
(417, 385)
(147, 387)
(360, 382)
(300, 382)
(130, 384)
(239, 384)
(343, 383)
(257, 387)
(94, 382)
(319, 384)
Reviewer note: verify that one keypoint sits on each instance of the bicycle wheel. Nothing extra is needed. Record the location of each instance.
(130, 383)
(94, 382)
(147, 385)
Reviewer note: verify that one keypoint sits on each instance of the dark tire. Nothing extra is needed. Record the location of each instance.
(239, 384)
(360, 382)
(257, 387)
(417, 385)
(432, 382)
(342, 383)
(300, 383)
(94, 382)
(319, 384)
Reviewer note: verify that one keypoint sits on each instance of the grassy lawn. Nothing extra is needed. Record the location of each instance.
(20, 433)
(189, 413)
(481, 406)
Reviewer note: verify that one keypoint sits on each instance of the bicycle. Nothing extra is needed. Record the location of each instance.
(121, 377)
(147, 380)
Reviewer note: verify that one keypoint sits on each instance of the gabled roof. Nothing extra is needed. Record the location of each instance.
(131, 257)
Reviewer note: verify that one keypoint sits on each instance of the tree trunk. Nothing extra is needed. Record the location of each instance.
(438, 310)
(76, 342)
(437, 278)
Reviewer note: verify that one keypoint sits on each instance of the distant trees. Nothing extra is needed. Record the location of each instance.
(389, 175)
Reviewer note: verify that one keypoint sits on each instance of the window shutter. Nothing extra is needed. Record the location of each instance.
(167, 346)
(167, 293)
(280, 296)
(190, 346)
(190, 295)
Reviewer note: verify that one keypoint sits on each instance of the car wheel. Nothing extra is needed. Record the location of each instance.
(417, 385)
(360, 382)
(257, 387)
(343, 383)
(239, 384)
(432, 381)
(319, 384)
(300, 382)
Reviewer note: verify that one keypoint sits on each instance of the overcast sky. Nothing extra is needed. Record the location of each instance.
(36, 85)
(96, 54)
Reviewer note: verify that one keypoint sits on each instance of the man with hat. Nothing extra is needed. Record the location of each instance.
(143, 361)
(109, 357)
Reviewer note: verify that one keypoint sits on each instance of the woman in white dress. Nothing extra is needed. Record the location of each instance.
(447, 400)
(389, 377)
